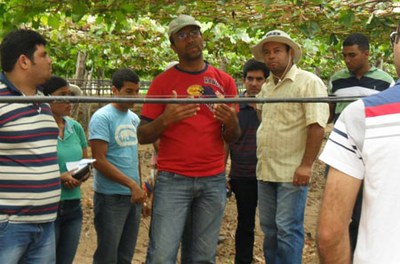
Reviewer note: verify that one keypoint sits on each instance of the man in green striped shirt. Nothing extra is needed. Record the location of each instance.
(360, 78)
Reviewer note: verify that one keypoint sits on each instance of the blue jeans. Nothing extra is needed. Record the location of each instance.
(186, 251)
(281, 208)
(246, 202)
(117, 222)
(68, 230)
(27, 243)
(175, 197)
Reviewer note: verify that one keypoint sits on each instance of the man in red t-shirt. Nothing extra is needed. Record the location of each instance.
(191, 179)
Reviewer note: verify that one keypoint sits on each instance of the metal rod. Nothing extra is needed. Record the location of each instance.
(146, 100)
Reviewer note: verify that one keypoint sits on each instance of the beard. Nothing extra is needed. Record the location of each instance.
(193, 52)
(192, 56)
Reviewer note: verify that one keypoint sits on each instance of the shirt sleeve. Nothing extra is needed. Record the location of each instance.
(343, 150)
(152, 111)
(232, 92)
(99, 127)
(316, 112)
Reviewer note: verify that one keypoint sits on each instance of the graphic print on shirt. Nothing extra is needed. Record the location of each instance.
(125, 135)
(198, 91)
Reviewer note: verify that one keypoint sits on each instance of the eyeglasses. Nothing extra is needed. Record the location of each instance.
(394, 38)
(182, 35)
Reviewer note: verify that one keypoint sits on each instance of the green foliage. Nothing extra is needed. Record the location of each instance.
(132, 33)
(346, 18)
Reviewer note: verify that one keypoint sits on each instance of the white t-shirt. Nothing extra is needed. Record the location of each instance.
(365, 144)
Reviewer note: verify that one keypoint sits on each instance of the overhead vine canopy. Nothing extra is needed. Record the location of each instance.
(123, 33)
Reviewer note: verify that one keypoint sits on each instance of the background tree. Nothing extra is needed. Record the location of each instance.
(109, 34)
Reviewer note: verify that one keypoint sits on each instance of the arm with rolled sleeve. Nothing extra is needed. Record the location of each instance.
(316, 115)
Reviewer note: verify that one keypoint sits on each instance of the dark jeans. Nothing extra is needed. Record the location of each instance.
(117, 222)
(68, 230)
(355, 220)
(246, 201)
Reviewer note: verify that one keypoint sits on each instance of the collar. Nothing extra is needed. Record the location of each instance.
(290, 75)
(194, 72)
(14, 90)
(67, 127)
(371, 69)
(244, 105)
(10, 86)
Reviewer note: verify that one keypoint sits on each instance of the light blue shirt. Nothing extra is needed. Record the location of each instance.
(118, 129)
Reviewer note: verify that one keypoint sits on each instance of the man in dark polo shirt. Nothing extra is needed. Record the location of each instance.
(244, 161)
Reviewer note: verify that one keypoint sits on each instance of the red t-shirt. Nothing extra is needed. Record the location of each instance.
(194, 146)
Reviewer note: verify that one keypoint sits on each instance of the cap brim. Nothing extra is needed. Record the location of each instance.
(257, 49)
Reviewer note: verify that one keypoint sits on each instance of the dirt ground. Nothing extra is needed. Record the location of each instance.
(225, 251)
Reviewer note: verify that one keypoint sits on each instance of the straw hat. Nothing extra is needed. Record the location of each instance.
(280, 37)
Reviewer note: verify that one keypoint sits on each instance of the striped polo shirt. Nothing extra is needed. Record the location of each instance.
(345, 83)
(243, 151)
(364, 144)
(29, 173)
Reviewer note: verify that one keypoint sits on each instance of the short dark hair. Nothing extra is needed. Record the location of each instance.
(357, 39)
(17, 43)
(53, 84)
(124, 75)
(255, 65)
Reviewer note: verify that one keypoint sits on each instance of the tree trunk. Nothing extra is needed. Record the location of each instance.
(80, 76)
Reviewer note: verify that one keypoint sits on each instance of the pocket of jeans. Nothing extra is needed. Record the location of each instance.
(3, 226)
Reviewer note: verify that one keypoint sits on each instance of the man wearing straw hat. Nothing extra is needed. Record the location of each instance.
(288, 141)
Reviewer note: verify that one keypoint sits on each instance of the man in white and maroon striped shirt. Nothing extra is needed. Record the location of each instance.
(29, 174)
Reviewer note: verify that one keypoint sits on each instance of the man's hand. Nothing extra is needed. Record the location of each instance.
(138, 196)
(226, 115)
(302, 175)
(174, 113)
(146, 211)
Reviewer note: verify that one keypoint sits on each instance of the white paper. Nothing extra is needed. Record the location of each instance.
(77, 165)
